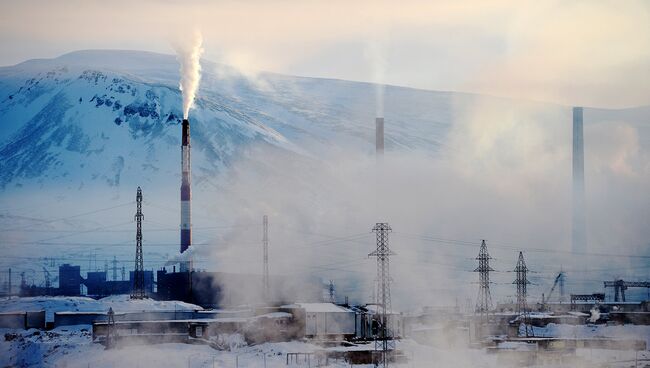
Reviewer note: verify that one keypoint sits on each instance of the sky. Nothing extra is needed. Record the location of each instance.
(592, 53)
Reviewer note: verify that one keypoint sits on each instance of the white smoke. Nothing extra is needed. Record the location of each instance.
(595, 314)
(375, 55)
(189, 56)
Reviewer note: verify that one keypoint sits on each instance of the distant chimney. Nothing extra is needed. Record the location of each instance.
(379, 136)
(579, 242)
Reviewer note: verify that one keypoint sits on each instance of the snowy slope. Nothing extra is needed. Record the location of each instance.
(113, 117)
(103, 116)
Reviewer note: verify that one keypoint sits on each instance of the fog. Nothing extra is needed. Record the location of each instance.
(504, 176)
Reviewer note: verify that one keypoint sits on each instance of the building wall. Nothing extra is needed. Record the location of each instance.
(35, 319)
(13, 320)
(326, 323)
(71, 319)
(219, 289)
(69, 280)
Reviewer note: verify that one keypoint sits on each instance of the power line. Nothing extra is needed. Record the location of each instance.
(430, 238)
(68, 217)
(130, 230)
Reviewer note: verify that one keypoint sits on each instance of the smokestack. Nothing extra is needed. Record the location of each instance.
(579, 242)
(379, 136)
(186, 196)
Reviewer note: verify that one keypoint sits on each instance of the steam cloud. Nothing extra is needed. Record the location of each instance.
(375, 55)
(595, 314)
(189, 58)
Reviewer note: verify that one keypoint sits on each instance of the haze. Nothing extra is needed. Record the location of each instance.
(573, 53)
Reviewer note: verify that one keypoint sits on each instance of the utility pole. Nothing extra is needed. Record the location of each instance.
(138, 282)
(331, 292)
(484, 299)
(522, 284)
(384, 341)
(265, 247)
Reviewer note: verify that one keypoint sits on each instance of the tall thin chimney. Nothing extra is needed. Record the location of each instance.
(579, 242)
(186, 196)
(379, 136)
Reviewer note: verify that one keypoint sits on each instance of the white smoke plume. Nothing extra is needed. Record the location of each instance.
(375, 55)
(595, 314)
(189, 55)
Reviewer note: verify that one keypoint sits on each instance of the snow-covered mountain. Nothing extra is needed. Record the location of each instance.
(106, 117)
(80, 132)
(102, 116)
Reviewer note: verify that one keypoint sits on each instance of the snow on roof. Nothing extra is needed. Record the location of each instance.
(224, 311)
(173, 321)
(203, 320)
(578, 314)
(12, 313)
(76, 313)
(516, 345)
(275, 315)
(119, 303)
(319, 307)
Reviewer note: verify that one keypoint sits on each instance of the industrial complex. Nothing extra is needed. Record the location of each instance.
(267, 312)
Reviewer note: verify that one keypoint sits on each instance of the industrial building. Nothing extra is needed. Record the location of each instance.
(323, 320)
(96, 283)
(218, 289)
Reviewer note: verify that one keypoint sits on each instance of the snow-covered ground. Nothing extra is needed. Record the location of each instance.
(73, 347)
(119, 303)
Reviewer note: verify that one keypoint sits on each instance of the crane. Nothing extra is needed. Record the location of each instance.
(559, 280)
(620, 286)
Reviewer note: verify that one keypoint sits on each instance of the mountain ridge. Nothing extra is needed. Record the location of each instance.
(59, 115)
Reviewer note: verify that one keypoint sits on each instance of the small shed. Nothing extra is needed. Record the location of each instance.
(323, 319)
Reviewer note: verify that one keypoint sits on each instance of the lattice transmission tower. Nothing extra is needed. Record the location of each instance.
(330, 290)
(484, 299)
(138, 274)
(521, 270)
(384, 341)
